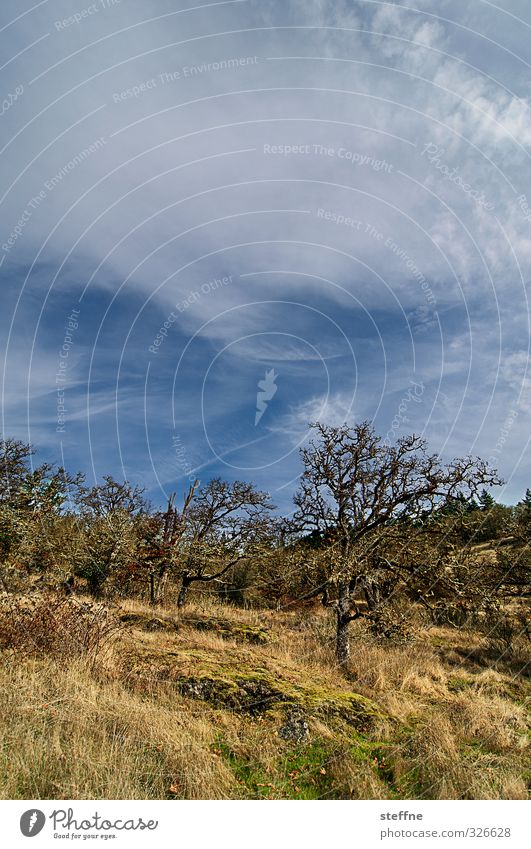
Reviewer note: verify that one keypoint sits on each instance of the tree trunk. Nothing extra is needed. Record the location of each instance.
(95, 584)
(343, 622)
(157, 585)
(183, 592)
(372, 593)
(152, 588)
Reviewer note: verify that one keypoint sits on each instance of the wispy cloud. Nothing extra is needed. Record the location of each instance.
(249, 183)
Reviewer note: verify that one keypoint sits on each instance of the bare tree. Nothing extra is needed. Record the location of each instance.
(225, 524)
(108, 513)
(162, 535)
(354, 487)
(218, 527)
(41, 489)
(33, 502)
(111, 497)
(14, 469)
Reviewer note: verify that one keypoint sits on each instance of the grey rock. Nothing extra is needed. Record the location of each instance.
(295, 729)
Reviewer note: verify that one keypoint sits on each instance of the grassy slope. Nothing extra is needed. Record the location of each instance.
(193, 709)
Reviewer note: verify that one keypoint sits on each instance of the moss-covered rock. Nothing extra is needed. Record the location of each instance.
(149, 623)
(225, 628)
(229, 629)
(241, 681)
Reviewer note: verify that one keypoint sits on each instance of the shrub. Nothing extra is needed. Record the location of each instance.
(503, 628)
(49, 624)
(451, 612)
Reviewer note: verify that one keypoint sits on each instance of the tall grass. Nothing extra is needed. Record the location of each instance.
(74, 723)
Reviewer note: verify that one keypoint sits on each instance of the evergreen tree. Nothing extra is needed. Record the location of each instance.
(486, 501)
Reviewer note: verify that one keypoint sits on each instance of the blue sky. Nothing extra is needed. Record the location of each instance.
(331, 199)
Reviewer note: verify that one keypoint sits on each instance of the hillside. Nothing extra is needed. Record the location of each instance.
(220, 703)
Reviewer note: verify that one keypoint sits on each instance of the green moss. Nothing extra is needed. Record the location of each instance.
(457, 685)
(149, 623)
(301, 773)
(254, 781)
(257, 689)
(306, 771)
(225, 628)
(408, 786)
(241, 681)
(229, 630)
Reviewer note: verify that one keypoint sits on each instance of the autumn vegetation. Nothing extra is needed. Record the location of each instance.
(374, 643)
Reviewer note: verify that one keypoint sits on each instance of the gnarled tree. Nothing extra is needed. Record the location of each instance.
(160, 544)
(354, 488)
(219, 526)
(107, 517)
(225, 524)
(33, 500)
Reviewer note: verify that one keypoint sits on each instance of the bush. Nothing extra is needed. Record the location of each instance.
(503, 629)
(52, 625)
(389, 623)
(455, 613)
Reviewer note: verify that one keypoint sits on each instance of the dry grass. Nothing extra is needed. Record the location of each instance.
(443, 725)
(67, 735)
